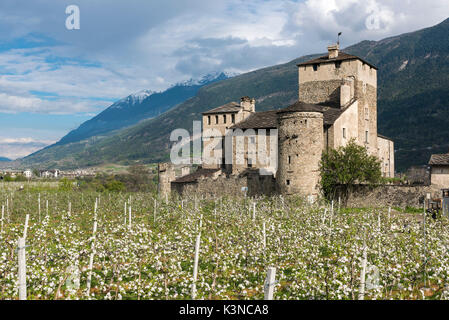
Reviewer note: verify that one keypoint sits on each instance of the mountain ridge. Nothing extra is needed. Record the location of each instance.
(136, 107)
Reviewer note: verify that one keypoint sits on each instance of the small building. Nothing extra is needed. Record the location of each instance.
(50, 173)
(28, 174)
(439, 170)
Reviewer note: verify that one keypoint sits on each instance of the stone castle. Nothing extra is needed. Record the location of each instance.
(337, 102)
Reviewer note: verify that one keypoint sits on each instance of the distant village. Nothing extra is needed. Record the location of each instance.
(47, 174)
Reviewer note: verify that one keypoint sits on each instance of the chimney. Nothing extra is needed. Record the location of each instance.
(248, 104)
(185, 171)
(333, 51)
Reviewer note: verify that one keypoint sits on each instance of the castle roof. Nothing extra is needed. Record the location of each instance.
(258, 120)
(342, 56)
(193, 177)
(439, 159)
(268, 119)
(384, 137)
(330, 114)
(232, 107)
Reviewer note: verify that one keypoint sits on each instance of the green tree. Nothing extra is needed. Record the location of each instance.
(342, 168)
(65, 185)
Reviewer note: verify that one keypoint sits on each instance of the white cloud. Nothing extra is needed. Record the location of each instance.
(14, 148)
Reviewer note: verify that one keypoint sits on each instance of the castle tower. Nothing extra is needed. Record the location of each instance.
(340, 80)
(166, 174)
(300, 145)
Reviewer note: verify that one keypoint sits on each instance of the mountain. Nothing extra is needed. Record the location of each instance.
(3, 159)
(145, 104)
(413, 105)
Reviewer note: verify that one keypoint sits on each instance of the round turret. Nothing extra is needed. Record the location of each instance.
(300, 145)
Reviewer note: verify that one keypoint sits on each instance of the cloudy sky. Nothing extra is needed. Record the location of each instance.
(52, 79)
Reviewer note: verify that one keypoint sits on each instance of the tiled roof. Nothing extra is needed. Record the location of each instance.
(329, 114)
(439, 159)
(384, 137)
(258, 120)
(342, 56)
(227, 108)
(268, 119)
(193, 177)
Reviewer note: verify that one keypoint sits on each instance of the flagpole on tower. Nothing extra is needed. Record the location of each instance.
(338, 39)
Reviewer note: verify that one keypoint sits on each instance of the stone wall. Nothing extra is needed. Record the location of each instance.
(229, 186)
(391, 196)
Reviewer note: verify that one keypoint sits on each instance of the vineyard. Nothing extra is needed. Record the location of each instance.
(136, 246)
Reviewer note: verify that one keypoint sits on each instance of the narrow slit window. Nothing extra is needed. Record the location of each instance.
(208, 120)
(233, 118)
(366, 136)
(216, 119)
(224, 118)
(344, 133)
(288, 182)
(315, 67)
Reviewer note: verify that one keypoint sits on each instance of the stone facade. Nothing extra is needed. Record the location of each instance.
(439, 170)
(300, 147)
(386, 156)
(166, 174)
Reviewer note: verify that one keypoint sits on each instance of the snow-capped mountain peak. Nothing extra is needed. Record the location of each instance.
(135, 98)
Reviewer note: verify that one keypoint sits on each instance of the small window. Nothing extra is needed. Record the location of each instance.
(289, 159)
(315, 67)
(253, 140)
(216, 119)
(344, 133)
(224, 118)
(337, 64)
(208, 120)
(288, 182)
(366, 137)
(233, 118)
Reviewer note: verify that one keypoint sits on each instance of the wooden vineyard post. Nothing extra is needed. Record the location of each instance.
(22, 269)
(362, 275)
(70, 208)
(3, 217)
(195, 265)
(47, 206)
(91, 260)
(270, 283)
(264, 233)
(39, 206)
(126, 212)
(254, 211)
(154, 211)
(25, 229)
(129, 218)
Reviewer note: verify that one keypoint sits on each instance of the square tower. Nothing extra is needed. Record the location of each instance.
(341, 80)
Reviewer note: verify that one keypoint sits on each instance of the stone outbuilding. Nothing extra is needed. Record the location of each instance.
(439, 170)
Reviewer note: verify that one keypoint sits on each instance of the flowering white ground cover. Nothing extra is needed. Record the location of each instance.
(317, 252)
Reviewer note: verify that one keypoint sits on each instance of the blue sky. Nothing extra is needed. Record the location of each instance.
(53, 79)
